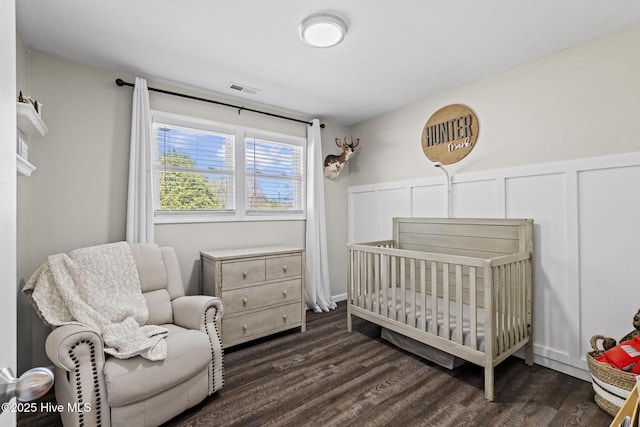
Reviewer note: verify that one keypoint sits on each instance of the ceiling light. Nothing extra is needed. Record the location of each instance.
(322, 30)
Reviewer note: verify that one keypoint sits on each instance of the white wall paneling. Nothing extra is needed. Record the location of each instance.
(586, 238)
(392, 202)
(609, 203)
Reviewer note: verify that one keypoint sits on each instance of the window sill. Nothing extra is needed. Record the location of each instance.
(222, 217)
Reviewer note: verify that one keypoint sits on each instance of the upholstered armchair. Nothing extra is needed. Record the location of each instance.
(96, 389)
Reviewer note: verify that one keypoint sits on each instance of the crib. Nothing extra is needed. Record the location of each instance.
(462, 286)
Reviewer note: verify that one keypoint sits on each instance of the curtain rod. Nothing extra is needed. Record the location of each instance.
(240, 108)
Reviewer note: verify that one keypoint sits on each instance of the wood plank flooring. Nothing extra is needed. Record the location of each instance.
(329, 377)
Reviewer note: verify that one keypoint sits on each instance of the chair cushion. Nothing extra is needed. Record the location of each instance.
(136, 379)
(150, 266)
(159, 305)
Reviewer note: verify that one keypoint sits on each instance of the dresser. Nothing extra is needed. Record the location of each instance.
(262, 289)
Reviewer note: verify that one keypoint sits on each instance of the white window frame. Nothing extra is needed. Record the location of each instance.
(241, 132)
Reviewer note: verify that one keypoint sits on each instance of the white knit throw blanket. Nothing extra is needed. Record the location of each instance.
(98, 287)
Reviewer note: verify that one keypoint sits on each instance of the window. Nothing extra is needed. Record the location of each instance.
(194, 170)
(198, 177)
(273, 176)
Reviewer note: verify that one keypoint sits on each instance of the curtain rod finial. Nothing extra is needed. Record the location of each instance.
(120, 82)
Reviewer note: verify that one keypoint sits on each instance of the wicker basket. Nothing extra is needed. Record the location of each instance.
(611, 385)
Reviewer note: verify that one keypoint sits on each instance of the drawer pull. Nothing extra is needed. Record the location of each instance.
(284, 317)
(245, 327)
(284, 293)
(244, 301)
(284, 268)
(244, 274)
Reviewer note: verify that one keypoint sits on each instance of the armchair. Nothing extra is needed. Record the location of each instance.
(96, 389)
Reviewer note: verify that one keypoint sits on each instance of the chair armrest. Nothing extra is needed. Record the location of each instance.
(70, 345)
(202, 313)
(79, 351)
(194, 311)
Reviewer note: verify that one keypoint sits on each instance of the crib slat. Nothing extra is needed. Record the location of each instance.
(385, 285)
(412, 279)
(423, 293)
(501, 292)
(402, 315)
(367, 282)
(459, 306)
(363, 279)
(394, 287)
(509, 322)
(473, 318)
(521, 303)
(355, 289)
(514, 302)
(509, 311)
(446, 301)
(376, 283)
(523, 298)
(434, 298)
(489, 312)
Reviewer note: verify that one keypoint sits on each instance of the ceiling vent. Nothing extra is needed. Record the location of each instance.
(243, 88)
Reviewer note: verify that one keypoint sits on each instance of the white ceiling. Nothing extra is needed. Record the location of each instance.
(395, 53)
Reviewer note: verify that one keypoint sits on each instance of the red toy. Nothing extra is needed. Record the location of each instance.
(624, 356)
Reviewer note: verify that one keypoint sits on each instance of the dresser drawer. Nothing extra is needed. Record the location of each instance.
(242, 273)
(251, 325)
(244, 299)
(286, 266)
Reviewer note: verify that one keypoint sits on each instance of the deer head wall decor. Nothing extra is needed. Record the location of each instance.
(333, 164)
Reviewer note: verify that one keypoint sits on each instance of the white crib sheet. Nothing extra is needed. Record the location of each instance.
(453, 327)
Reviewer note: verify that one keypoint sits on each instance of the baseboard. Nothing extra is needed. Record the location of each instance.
(339, 297)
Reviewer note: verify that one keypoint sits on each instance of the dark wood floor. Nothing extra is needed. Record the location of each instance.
(329, 377)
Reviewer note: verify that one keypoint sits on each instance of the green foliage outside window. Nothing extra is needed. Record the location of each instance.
(183, 190)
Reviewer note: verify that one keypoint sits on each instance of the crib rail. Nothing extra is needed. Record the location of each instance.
(436, 292)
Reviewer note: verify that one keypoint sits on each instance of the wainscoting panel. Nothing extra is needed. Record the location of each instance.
(363, 216)
(609, 249)
(548, 209)
(475, 199)
(586, 216)
(393, 202)
(428, 201)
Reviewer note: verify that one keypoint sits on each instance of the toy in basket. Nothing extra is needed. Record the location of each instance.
(614, 368)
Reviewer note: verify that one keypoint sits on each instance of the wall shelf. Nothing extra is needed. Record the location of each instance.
(29, 121)
(29, 124)
(23, 166)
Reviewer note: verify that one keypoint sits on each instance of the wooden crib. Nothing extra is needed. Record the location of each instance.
(482, 267)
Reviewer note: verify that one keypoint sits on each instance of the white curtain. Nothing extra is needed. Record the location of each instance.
(317, 275)
(140, 197)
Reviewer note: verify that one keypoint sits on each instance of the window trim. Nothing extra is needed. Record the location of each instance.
(241, 132)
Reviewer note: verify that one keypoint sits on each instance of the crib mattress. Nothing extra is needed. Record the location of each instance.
(397, 314)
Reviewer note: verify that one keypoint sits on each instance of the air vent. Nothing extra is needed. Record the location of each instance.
(243, 88)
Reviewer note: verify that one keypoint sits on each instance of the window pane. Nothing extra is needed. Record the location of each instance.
(194, 169)
(273, 175)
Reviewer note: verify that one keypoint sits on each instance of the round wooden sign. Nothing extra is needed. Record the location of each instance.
(450, 134)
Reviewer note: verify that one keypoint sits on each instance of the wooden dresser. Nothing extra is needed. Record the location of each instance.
(262, 290)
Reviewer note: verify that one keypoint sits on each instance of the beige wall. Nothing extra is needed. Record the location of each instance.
(77, 195)
(581, 102)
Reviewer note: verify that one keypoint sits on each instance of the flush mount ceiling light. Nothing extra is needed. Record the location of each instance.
(322, 30)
